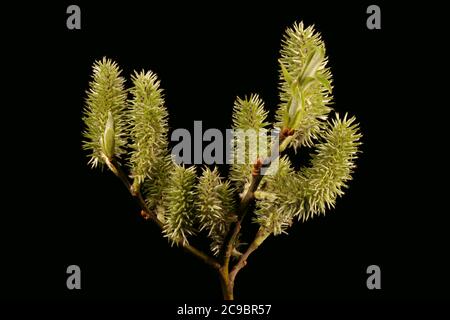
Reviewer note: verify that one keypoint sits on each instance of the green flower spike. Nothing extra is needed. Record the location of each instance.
(105, 134)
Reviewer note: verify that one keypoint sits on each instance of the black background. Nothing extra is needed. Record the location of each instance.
(60, 212)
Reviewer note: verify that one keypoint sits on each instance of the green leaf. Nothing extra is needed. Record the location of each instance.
(324, 81)
(313, 62)
(286, 75)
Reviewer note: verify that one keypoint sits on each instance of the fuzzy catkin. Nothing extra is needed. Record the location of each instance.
(106, 96)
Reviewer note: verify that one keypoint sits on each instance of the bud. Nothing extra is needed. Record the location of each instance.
(108, 137)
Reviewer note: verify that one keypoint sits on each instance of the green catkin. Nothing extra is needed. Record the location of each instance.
(106, 99)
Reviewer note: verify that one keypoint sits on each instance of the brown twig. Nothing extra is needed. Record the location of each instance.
(260, 236)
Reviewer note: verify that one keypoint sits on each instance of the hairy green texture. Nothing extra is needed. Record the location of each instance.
(106, 96)
(331, 167)
(181, 210)
(249, 116)
(249, 113)
(272, 211)
(315, 188)
(148, 119)
(156, 182)
(305, 85)
(215, 207)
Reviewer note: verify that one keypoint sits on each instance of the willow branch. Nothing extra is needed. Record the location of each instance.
(202, 256)
(260, 236)
(230, 238)
(236, 226)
